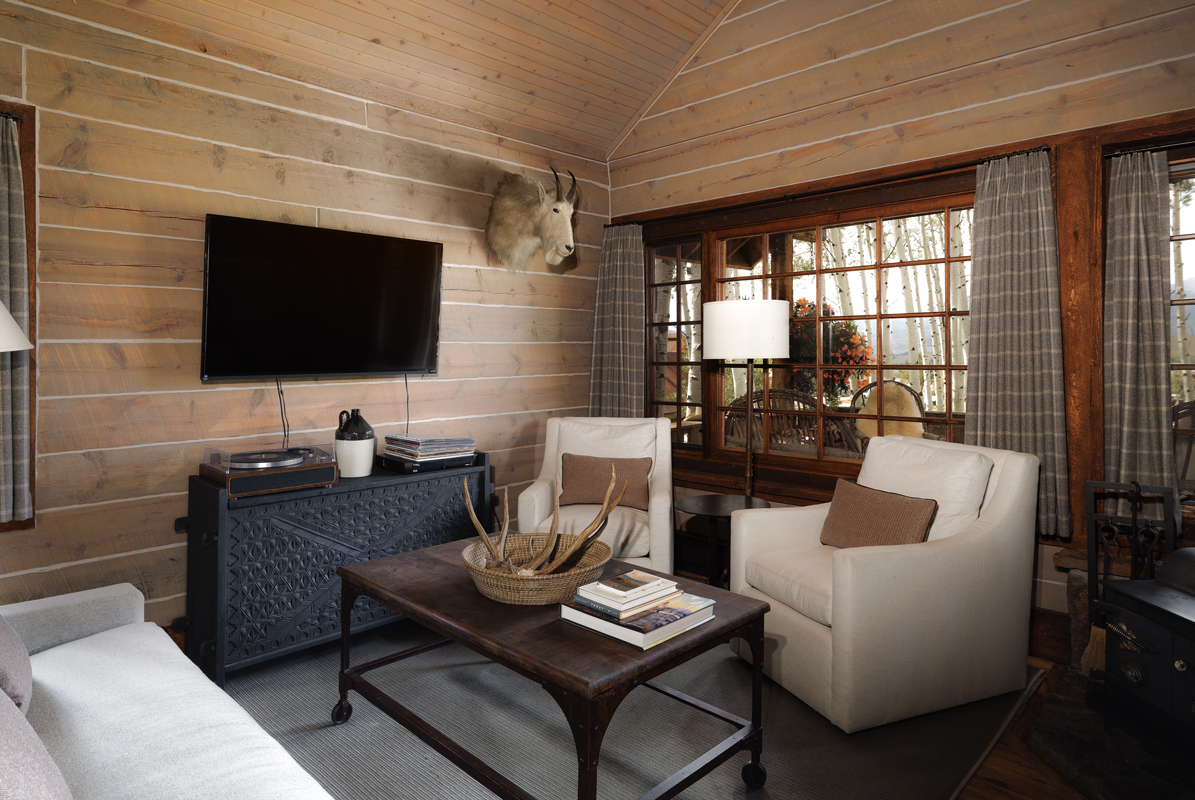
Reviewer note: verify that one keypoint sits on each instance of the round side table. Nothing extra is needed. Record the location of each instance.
(715, 507)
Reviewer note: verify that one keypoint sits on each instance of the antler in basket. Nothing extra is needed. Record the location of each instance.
(497, 553)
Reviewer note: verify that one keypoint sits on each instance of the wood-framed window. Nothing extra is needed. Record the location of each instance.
(1182, 316)
(878, 297)
(674, 290)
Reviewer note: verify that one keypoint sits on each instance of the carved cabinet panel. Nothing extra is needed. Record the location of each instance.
(261, 571)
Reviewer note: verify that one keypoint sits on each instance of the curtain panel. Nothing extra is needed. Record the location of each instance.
(1138, 438)
(618, 386)
(16, 501)
(1015, 395)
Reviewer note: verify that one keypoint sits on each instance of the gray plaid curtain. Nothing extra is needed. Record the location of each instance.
(16, 501)
(1014, 376)
(618, 382)
(1138, 443)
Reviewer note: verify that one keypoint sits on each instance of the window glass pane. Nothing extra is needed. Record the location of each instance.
(664, 307)
(691, 251)
(958, 392)
(664, 343)
(960, 231)
(846, 345)
(960, 340)
(744, 256)
(850, 293)
(960, 285)
(690, 301)
(743, 290)
(1182, 270)
(665, 265)
(931, 383)
(688, 430)
(792, 251)
(841, 439)
(849, 245)
(914, 340)
(912, 290)
(690, 387)
(917, 238)
(1182, 334)
(797, 289)
(664, 383)
(793, 434)
(1182, 207)
(793, 387)
(734, 382)
(1182, 386)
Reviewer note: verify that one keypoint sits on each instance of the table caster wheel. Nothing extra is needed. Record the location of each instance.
(341, 713)
(754, 775)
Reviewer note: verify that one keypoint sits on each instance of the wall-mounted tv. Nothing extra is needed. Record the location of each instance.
(290, 301)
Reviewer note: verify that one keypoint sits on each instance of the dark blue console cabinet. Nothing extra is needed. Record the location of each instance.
(261, 571)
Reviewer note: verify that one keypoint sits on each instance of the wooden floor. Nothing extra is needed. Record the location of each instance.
(1014, 772)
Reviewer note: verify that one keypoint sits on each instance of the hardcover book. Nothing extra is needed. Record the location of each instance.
(621, 611)
(628, 585)
(648, 628)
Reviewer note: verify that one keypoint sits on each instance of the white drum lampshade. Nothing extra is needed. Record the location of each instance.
(11, 335)
(745, 329)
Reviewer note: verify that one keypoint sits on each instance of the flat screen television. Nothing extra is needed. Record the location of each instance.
(291, 301)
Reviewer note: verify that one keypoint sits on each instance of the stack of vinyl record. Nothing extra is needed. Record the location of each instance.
(409, 454)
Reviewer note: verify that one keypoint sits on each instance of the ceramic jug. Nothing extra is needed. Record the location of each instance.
(355, 445)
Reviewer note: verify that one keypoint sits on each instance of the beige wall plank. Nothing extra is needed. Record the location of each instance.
(165, 610)
(516, 466)
(78, 534)
(972, 40)
(83, 200)
(84, 368)
(57, 34)
(157, 573)
(70, 311)
(74, 424)
(84, 256)
(496, 286)
(104, 476)
(461, 323)
(11, 70)
(1130, 95)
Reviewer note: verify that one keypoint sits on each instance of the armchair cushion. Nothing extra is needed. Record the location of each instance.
(16, 672)
(861, 517)
(589, 438)
(801, 578)
(956, 478)
(584, 479)
(628, 530)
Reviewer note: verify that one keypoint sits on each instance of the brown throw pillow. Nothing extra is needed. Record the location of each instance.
(584, 479)
(16, 672)
(862, 517)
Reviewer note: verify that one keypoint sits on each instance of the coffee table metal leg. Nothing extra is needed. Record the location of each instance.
(754, 774)
(588, 720)
(343, 709)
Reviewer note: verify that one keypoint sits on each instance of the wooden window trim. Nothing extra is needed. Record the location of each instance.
(27, 142)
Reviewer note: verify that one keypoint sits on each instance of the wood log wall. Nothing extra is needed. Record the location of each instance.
(137, 141)
(792, 93)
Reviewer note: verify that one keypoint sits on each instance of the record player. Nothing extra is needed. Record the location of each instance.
(270, 468)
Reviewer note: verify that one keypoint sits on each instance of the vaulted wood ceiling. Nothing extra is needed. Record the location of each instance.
(569, 74)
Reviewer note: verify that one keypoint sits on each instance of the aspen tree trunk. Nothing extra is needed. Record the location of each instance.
(914, 336)
(1180, 293)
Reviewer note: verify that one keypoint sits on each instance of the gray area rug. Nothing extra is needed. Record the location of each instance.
(516, 727)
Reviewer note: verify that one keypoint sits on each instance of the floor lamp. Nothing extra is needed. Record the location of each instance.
(11, 335)
(749, 329)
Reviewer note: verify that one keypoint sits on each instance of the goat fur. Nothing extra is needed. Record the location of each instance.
(898, 402)
(524, 219)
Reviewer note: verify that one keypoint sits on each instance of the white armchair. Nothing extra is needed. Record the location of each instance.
(869, 635)
(638, 537)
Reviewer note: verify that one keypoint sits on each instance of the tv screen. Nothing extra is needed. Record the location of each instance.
(282, 300)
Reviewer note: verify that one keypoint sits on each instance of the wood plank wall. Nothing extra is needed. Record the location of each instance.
(789, 92)
(137, 141)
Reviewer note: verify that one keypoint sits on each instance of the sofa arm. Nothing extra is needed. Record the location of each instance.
(763, 530)
(662, 527)
(535, 505)
(51, 621)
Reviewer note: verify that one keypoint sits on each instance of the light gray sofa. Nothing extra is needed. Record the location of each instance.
(122, 713)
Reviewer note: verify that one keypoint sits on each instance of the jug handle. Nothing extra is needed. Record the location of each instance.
(344, 417)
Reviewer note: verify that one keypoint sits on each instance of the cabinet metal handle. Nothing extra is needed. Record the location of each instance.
(1134, 672)
(1180, 665)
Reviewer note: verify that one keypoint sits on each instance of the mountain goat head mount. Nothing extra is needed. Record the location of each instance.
(524, 218)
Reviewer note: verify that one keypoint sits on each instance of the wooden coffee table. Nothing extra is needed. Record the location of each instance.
(586, 673)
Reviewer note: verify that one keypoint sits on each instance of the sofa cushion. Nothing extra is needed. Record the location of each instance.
(628, 531)
(16, 673)
(957, 479)
(584, 479)
(26, 770)
(801, 578)
(862, 517)
(125, 714)
(591, 438)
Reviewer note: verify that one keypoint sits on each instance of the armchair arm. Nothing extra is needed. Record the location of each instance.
(761, 530)
(51, 621)
(535, 505)
(661, 524)
(927, 626)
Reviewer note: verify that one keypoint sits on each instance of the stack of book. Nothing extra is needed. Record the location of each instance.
(637, 608)
(411, 454)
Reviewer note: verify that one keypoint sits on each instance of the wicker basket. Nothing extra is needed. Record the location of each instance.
(535, 590)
